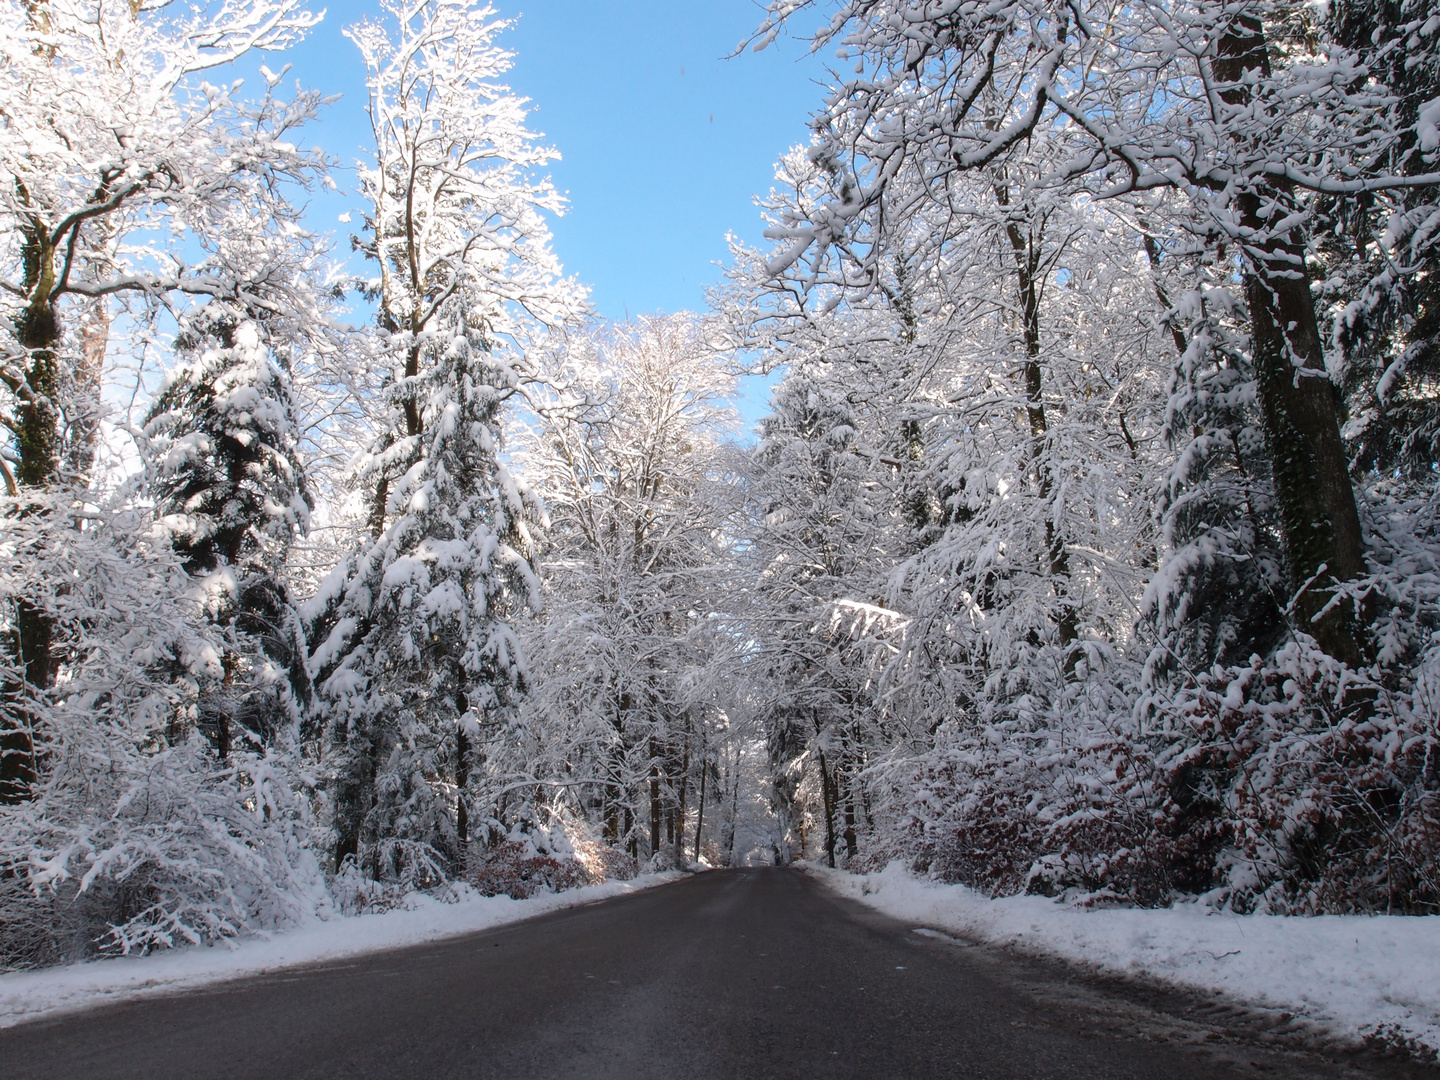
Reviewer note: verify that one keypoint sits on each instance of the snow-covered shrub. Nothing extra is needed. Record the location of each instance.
(130, 833)
(399, 869)
(1046, 798)
(531, 857)
(619, 864)
(1041, 822)
(602, 862)
(1300, 784)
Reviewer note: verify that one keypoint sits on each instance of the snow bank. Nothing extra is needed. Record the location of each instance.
(28, 995)
(1358, 976)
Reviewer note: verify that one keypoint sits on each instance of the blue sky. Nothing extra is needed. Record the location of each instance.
(664, 141)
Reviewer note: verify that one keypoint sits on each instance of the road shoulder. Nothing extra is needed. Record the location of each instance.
(1362, 989)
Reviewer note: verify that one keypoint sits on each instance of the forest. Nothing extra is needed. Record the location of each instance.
(1090, 547)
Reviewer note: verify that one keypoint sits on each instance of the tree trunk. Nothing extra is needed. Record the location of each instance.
(17, 747)
(680, 816)
(462, 777)
(352, 798)
(1319, 523)
(654, 800)
(380, 499)
(1025, 245)
(852, 847)
(827, 796)
(734, 815)
(38, 329)
(615, 790)
(83, 407)
(611, 813)
(412, 406)
(700, 817)
(36, 390)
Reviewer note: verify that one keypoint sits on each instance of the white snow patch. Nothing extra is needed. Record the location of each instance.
(1427, 126)
(30, 995)
(1355, 975)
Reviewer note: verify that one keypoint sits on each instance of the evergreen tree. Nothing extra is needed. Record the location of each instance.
(1220, 592)
(414, 654)
(229, 485)
(420, 662)
(1382, 252)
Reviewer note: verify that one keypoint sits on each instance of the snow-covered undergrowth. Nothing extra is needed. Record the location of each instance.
(1360, 976)
(29, 995)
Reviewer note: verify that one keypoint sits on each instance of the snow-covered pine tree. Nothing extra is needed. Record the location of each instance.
(1219, 594)
(229, 485)
(414, 656)
(420, 664)
(1380, 251)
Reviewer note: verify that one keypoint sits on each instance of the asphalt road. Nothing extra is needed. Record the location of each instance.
(743, 975)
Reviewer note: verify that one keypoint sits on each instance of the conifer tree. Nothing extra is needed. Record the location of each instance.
(230, 485)
(1381, 251)
(414, 654)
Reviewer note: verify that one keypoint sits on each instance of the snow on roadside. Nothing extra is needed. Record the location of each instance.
(29, 995)
(1359, 976)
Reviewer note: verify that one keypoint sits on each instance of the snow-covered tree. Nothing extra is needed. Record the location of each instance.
(129, 833)
(1254, 121)
(120, 828)
(112, 131)
(413, 650)
(230, 486)
(114, 138)
(1007, 359)
(1378, 251)
(629, 450)
(820, 556)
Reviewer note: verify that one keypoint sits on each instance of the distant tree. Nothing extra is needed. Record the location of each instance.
(819, 556)
(629, 448)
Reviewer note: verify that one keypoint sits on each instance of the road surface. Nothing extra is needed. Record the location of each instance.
(741, 975)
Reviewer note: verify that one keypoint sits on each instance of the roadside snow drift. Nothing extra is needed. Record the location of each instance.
(1358, 976)
(29, 995)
